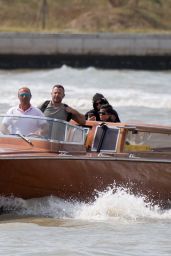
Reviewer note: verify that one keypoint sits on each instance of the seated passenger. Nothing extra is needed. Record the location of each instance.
(108, 114)
(24, 126)
(54, 108)
(93, 114)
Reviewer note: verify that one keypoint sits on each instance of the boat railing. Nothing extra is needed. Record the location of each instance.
(42, 128)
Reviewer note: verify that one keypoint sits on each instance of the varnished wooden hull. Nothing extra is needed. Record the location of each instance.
(81, 177)
(71, 170)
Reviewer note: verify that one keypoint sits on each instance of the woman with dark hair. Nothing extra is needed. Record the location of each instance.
(108, 114)
(98, 100)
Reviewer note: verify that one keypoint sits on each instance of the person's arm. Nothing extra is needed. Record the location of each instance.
(76, 116)
(4, 129)
(6, 122)
(44, 129)
(42, 124)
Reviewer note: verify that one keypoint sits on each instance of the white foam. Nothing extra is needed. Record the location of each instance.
(120, 205)
(113, 204)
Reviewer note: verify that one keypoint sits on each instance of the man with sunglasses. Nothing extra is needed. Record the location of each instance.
(22, 125)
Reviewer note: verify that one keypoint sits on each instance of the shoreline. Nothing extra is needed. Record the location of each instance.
(101, 50)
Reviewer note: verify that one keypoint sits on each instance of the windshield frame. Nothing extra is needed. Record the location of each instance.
(57, 130)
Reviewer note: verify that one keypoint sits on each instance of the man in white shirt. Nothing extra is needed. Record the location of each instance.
(21, 125)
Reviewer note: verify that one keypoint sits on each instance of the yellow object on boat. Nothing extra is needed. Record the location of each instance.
(137, 147)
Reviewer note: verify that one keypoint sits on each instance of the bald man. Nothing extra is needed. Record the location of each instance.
(23, 126)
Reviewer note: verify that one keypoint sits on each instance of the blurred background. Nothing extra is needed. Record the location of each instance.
(85, 16)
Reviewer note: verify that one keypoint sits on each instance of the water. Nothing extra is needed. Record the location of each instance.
(115, 224)
(136, 95)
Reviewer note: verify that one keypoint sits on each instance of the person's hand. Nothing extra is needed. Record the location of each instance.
(92, 118)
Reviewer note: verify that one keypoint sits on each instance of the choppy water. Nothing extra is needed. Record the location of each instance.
(140, 95)
(115, 224)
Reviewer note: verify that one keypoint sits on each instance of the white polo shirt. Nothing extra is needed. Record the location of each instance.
(23, 126)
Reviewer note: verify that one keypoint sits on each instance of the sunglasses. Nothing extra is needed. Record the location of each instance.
(98, 103)
(102, 113)
(25, 94)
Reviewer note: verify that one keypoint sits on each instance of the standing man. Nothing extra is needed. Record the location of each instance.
(23, 126)
(54, 108)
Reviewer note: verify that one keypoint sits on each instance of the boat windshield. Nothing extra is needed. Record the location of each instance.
(41, 128)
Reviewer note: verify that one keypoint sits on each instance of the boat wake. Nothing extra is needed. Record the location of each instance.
(108, 206)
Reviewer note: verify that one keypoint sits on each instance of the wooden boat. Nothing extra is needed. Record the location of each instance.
(73, 162)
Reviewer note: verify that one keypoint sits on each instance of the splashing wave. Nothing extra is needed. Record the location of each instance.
(108, 205)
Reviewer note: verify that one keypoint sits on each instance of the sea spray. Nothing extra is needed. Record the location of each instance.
(114, 204)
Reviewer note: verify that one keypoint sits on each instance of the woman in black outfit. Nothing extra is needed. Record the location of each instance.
(108, 114)
(98, 101)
